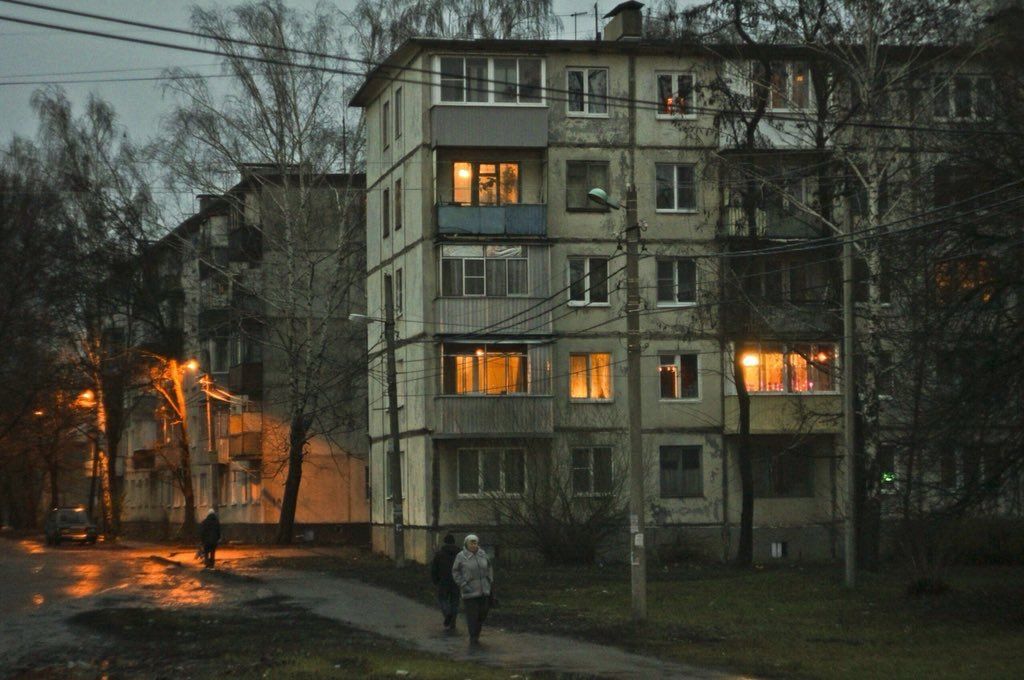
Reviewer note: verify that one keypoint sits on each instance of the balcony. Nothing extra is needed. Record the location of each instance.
(521, 219)
(768, 224)
(499, 315)
(143, 459)
(246, 379)
(494, 416)
(247, 445)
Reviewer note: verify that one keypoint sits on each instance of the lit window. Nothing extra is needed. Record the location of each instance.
(680, 473)
(484, 369)
(677, 374)
(676, 191)
(590, 376)
(798, 368)
(588, 91)
(491, 471)
(485, 183)
(588, 280)
(789, 87)
(592, 470)
(675, 94)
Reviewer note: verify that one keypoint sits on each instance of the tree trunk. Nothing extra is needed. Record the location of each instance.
(296, 445)
(188, 524)
(745, 549)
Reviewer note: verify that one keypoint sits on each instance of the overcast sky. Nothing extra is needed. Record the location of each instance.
(36, 54)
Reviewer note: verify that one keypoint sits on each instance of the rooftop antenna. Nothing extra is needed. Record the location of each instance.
(574, 15)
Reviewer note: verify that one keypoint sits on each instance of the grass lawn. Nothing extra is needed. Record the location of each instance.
(784, 621)
(268, 638)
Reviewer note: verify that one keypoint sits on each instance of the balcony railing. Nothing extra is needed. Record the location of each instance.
(524, 415)
(245, 445)
(521, 219)
(767, 224)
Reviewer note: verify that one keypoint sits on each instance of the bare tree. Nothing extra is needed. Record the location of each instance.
(285, 127)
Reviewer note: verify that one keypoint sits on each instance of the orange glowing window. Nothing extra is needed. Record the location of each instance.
(590, 376)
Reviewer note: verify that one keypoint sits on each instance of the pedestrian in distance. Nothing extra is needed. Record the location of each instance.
(441, 576)
(209, 537)
(474, 575)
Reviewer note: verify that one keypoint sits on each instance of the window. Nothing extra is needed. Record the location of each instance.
(789, 368)
(675, 188)
(581, 177)
(219, 356)
(491, 470)
(588, 91)
(590, 376)
(484, 369)
(385, 211)
(388, 495)
(494, 271)
(398, 204)
(398, 113)
(787, 279)
(677, 281)
(789, 87)
(964, 278)
(680, 471)
(588, 280)
(783, 472)
(677, 374)
(485, 183)
(963, 97)
(592, 470)
(384, 120)
(399, 292)
(515, 81)
(675, 95)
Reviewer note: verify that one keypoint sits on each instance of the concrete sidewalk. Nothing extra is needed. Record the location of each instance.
(391, 615)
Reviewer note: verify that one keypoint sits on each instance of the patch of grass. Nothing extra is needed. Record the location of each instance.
(784, 621)
(268, 639)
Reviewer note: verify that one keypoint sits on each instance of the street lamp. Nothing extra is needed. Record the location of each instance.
(638, 559)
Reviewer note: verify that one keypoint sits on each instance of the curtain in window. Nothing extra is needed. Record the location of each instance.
(601, 376)
(578, 384)
(597, 88)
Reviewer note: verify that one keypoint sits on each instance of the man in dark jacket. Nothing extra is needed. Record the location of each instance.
(441, 575)
(209, 536)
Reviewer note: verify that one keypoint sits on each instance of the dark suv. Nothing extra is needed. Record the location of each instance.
(69, 524)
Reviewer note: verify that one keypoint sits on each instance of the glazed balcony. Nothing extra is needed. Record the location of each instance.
(518, 219)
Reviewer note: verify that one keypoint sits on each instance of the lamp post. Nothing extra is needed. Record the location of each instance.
(637, 549)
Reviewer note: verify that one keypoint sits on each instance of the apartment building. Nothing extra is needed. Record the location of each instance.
(509, 292)
(222, 279)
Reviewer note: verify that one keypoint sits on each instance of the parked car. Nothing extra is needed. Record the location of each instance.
(69, 524)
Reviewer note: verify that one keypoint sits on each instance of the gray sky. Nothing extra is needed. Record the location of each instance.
(39, 54)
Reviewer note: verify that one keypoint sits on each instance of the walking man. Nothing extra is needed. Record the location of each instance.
(473, 573)
(209, 536)
(441, 575)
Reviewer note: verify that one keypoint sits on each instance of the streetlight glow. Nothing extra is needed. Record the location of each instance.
(192, 365)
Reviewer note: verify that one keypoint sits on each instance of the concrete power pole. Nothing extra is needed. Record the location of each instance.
(849, 444)
(394, 461)
(638, 559)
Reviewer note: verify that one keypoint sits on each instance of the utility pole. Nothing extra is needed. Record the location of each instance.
(394, 455)
(849, 444)
(638, 559)
(597, 30)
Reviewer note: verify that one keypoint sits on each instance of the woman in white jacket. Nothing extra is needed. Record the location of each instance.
(474, 575)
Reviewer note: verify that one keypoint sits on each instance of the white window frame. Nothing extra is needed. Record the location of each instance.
(588, 97)
(399, 205)
(398, 283)
(502, 491)
(525, 258)
(590, 375)
(678, 365)
(590, 470)
(691, 104)
(791, 68)
(588, 206)
(675, 302)
(490, 80)
(675, 209)
(587, 302)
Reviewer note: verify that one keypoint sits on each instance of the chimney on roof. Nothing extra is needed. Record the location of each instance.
(627, 22)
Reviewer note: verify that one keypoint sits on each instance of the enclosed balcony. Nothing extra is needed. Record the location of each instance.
(520, 416)
(767, 223)
(491, 193)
